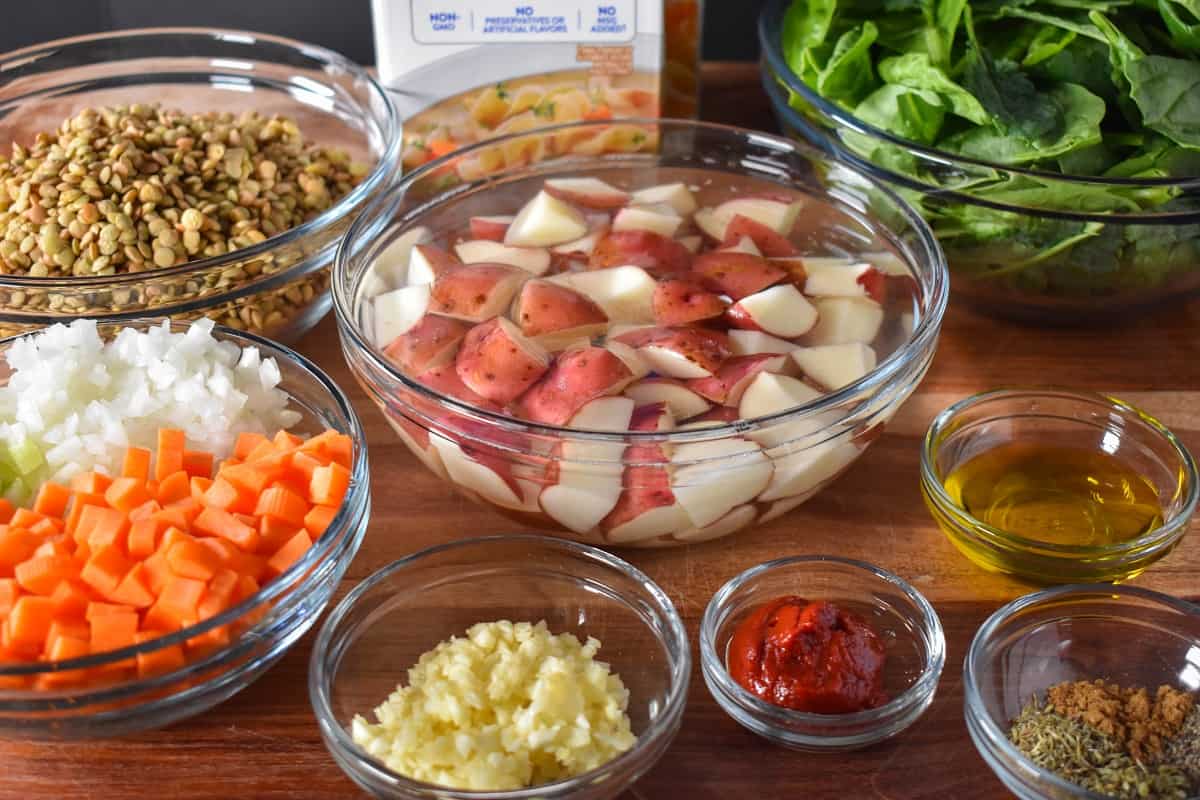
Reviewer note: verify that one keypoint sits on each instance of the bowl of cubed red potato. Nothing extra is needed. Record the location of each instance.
(179, 502)
(647, 348)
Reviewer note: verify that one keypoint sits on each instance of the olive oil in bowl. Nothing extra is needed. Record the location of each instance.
(1056, 494)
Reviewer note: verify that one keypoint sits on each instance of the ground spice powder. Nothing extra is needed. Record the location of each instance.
(1139, 722)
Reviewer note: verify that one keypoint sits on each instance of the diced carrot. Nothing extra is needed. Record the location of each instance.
(247, 586)
(329, 485)
(189, 507)
(134, 589)
(199, 485)
(282, 504)
(80, 501)
(162, 660)
(291, 552)
(67, 627)
(9, 592)
(441, 147)
(126, 494)
(43, 574)
(175, 486)
(180, 597)
(158, 618)
(215, 522)
(108, 522)
(190, 559)
(98, 609)
(302, 466)
(285, 441)
(52, 499)
(337, 447)
(157, 571)
(263, 450)
(17, 649)
(65, 648)
(219, 636)
(105, 569)
(113, 631)
(25, 518)
(249, 477)
(70, 600)
(145, 510)
(197, 463)
(144, 535)
(90, 482)
(598, 113)
(224, 495)
(6, 511)
(273, 533)
(173, 516)
(16, 545)
(225, 551)
(30, 618)
(219, 595)
(136, 464)
(169, 458)
(246, 442)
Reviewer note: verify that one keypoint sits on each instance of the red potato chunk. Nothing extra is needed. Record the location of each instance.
(575, 377)
(544, 308)
(428, 262)
(737, 274)
(445, 380)
(679, 352)
(490, 228)
(730, 381)
(432, 342)
(656, 254)
(476, 292)
(497, 362)
(587, 192)
(769, 243)
(678, 301)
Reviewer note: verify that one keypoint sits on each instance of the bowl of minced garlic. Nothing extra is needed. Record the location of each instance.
(507, 706)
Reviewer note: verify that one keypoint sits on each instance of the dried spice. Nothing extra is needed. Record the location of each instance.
(1083, 755)
(1140, 723)
(1184, 748)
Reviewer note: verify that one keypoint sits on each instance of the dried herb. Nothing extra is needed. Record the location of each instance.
(1184, 748)
(1088, 758)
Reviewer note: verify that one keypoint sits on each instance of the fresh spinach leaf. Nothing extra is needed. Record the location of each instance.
(916, 71)
(847, 76)
(806, 24)
(1047, 43)
(1081, 113)
(914, 114)
(1167, 90)
(1182, 22)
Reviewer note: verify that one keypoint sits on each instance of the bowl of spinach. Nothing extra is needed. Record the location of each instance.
(1052, 145)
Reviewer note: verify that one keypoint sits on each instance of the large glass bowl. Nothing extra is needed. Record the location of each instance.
(278, 287)
(266, 624)
(1021, 243)
(1124, 634)
(408, 607)
(489, 457)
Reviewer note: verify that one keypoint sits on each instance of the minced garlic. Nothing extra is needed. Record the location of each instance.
(509, 706)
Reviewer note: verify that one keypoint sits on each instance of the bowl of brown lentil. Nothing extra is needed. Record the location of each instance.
(185, 173)
(1089, 691)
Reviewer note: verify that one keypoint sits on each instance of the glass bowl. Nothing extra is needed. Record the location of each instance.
(914, 644)
(1037, 246)
(507, 463)
(278, 287)
(1070, 633)
(408, 607)
(1072, 419)
(269, 622)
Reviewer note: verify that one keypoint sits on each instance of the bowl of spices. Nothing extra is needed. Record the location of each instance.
(182, 172)
(511, 666)
(1089, 691)
(821, 653)
(1057, 486)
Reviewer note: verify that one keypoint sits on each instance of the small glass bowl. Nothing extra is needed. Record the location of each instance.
(408, 607)
(1071, 633)
(1074, 419)
(278, 287)
(270, 622)
(909, 626)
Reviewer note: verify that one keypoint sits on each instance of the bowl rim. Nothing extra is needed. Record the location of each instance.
(919, 342)
(973, 709)
(346, 515)
(944, 424)
(381, 173)
(320, 675)
(714, 665)
(772, 52)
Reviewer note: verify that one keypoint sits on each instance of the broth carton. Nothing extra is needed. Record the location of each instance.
(463, 71)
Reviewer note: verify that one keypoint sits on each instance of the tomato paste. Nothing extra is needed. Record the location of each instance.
(814, 657)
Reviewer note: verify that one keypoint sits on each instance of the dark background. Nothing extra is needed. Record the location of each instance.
(343, 25)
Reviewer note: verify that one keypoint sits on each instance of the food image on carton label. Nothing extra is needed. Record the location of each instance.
(463, 71)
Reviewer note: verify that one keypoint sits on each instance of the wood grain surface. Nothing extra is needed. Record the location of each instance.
(264, 742)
